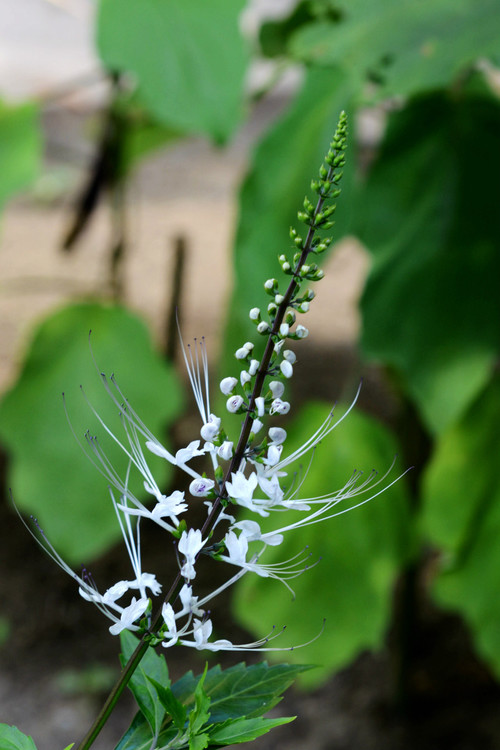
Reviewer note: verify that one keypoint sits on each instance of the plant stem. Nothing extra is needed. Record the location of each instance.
(238, 456)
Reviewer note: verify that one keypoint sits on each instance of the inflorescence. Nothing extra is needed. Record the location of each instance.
(247, 472)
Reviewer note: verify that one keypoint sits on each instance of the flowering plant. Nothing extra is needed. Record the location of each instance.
(251, 472)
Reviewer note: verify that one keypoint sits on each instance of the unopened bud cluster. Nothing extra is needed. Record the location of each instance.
(278, 321)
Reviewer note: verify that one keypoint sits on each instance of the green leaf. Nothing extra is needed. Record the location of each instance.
(139, 735)
(403, 45)
(240, 690)
(274, 35)
(246, 730)
(187, 78)
(358, 554)
(172, 706)
(283, 165)
(235, 693)
(152, 668)
(200, 714)
(12, 739)
(461, 515)
(198, 741)
(430, 217)
(50, 475)
(20, 148)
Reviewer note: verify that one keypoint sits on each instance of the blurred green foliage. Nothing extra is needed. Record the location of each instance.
(20, 148)
(50, 474)
(186, 77)
(424, 205)
(360, 552)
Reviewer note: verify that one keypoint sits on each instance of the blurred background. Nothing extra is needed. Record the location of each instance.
(153, 157)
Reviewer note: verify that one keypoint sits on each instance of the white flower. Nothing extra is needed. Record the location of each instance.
(184, 455)
(279, 346)
(243, 351)
(190, 545)
(227, 385)
(286, 369)
(169, 506)
(234, 403)
(284, 329)
(260, 405)
(273, 455)
(225, 451)
(289, 356)
(301, 332)
(277, 435)
(272, 488)
(189, 602)
(263, 327)
(245, 377)
(201, 486)
(254, 313)
(253, 366)
(211, 428)
(112, 594)
(277, 388)
(257, 425)
(129, 616)
(170, 635)
(241, 488)
(237, 548)
(252, 531)
(279, 407)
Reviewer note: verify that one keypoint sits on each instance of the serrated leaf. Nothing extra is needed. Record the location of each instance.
(285, 162)
(405, 46)
(430, 217)
(246, 730)
(198, 741)
(358, 554)
(461, 515)
(200, 713)
(241, 690)
(237, 692)
(12, 739)
(172, 706)
(50, 475)
(152, 667)
(138, 736)
(187, 78)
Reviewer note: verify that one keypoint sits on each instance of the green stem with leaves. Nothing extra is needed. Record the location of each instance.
(316, 219)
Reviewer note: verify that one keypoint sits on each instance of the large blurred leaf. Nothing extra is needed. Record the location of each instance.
(461, 514)
(50, 475)
(12, 739)
(361, 553)
(274, 34)
(408, 46)
(283, 166)
(188, 56)
(429, 214)
(20, 148)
